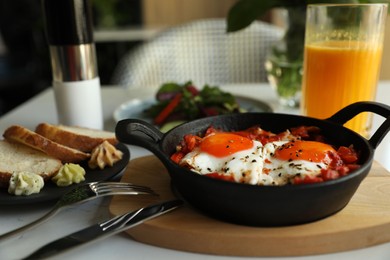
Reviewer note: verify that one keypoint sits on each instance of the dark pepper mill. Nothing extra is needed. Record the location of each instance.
(76, 83)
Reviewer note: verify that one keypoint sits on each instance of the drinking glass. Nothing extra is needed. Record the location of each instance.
(342, 58)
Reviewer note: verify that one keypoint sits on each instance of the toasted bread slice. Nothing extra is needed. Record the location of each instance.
(15, 157)
(25, 136)
(80, 138)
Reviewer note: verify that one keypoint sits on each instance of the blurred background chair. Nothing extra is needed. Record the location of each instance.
(199, 51)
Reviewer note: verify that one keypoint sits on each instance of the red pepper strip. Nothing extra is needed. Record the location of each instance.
(160, 118)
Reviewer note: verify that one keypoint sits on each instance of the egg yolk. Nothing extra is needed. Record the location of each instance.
(304, 150)
(224, 144)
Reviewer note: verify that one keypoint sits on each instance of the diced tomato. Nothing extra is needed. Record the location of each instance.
(343, 170)
(176, 157)
(264, 139)
(329, 174)
(347, 154)
(211, 130)
(301, 131)
(307, 179)
(308, 133)
(353, 167)
(258, 134)
(336, 160)
(220, 176)
(191, 141)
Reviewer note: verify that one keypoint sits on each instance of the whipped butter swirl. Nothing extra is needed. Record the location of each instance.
(104, 155)
(68, 174)
(25, 183)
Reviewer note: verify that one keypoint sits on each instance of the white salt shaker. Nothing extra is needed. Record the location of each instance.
(76, 83)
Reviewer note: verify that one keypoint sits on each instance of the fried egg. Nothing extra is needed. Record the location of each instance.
(284, 161)
(227, 154)
(248, 161)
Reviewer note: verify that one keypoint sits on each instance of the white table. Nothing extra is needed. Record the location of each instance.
(42, 109)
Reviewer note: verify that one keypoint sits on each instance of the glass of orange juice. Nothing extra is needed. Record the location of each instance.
(343, 53)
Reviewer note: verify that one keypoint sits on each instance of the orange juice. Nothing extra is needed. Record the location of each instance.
(338, 73)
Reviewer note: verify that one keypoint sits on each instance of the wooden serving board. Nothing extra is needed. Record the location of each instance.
(364, 222)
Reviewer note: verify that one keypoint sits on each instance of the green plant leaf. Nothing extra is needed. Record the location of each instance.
(244, 12)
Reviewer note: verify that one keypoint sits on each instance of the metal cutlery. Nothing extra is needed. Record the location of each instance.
(105, 229)
(80, 195)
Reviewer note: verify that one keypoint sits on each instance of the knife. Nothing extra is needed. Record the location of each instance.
(105, 229)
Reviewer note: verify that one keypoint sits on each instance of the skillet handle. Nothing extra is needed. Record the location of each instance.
(138, 132)
(350, 111)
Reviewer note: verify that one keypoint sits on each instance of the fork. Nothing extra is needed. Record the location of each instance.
(83, 194)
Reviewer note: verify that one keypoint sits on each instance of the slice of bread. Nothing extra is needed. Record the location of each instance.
(15, 157)
(25, 136)
(80, 138)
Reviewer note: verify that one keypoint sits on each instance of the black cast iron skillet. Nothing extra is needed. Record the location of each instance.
(262, 205)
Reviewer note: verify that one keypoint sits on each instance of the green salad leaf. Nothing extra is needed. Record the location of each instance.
(184, 102)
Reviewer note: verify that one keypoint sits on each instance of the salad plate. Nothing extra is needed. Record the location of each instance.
(135, 108)
(52, 192)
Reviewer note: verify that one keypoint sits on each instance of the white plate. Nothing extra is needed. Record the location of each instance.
(135, 108)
